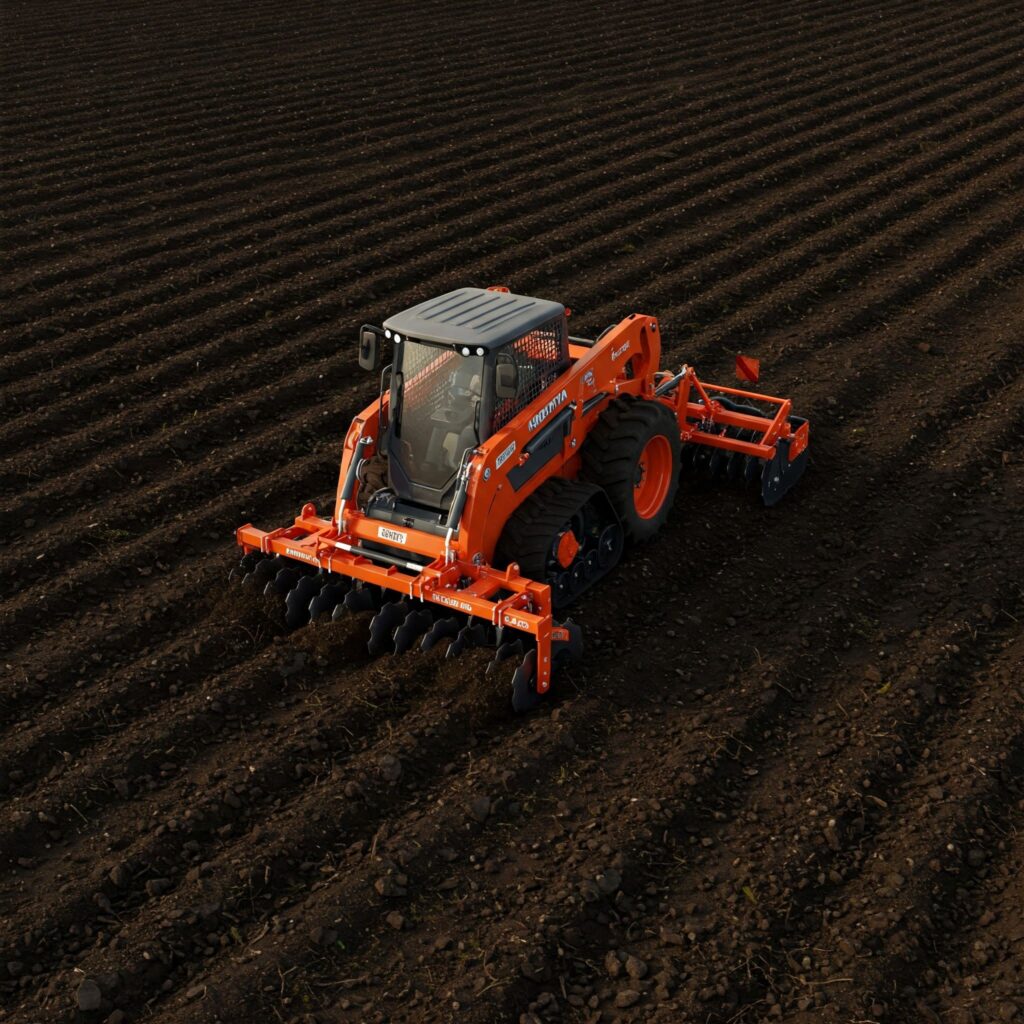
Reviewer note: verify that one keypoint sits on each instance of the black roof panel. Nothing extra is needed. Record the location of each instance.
(474, 316)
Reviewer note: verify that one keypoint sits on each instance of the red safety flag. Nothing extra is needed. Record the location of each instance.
(748, 369)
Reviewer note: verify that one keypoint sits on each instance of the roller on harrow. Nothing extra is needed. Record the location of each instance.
(501, 471)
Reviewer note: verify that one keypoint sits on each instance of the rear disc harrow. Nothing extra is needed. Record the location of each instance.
(775, 475)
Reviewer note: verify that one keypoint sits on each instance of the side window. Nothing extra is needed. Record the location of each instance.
(540, 357)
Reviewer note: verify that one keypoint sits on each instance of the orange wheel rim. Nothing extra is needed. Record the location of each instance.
(653, 476)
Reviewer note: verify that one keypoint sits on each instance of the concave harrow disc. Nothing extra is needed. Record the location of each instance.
(776, 475)
(400, 624)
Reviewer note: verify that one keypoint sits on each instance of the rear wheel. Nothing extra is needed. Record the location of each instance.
(633, 455)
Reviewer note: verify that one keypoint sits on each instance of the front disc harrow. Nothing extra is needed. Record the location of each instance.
(400, 624)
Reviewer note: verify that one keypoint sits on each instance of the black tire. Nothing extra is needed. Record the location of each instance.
(612, 459)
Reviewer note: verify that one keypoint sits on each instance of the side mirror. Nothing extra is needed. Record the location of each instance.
(506, 379)
(369, 349)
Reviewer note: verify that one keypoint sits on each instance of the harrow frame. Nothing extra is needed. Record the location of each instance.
(457, 585)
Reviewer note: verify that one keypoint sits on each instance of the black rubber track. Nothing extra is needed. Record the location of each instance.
(528, 535)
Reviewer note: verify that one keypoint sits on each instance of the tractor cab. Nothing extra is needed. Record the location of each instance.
(463, 365)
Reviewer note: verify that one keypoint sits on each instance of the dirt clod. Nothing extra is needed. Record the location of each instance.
(89, 996)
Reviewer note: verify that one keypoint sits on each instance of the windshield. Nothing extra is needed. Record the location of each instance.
(437, 410)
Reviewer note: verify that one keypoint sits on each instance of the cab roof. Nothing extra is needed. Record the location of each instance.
(475, 317)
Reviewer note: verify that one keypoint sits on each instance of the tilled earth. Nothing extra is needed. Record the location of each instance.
(786, 783)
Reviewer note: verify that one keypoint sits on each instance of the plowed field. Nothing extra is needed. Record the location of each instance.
(786, 782)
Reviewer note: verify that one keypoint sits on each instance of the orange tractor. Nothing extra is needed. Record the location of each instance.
(501, 471)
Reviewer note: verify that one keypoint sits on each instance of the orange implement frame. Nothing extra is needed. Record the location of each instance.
(692, 415)
(500, 597)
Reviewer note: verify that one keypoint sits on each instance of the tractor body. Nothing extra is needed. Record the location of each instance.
(501, 471)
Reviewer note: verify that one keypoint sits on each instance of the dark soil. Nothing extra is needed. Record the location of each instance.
(787, 781)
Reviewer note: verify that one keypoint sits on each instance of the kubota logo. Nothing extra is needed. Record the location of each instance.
(396, 536)
(538, 418)
(616, 352)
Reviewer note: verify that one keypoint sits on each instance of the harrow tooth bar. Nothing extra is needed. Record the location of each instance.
(413, 626)
(384, 624)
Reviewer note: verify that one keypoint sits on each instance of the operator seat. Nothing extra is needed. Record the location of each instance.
(453, 425)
